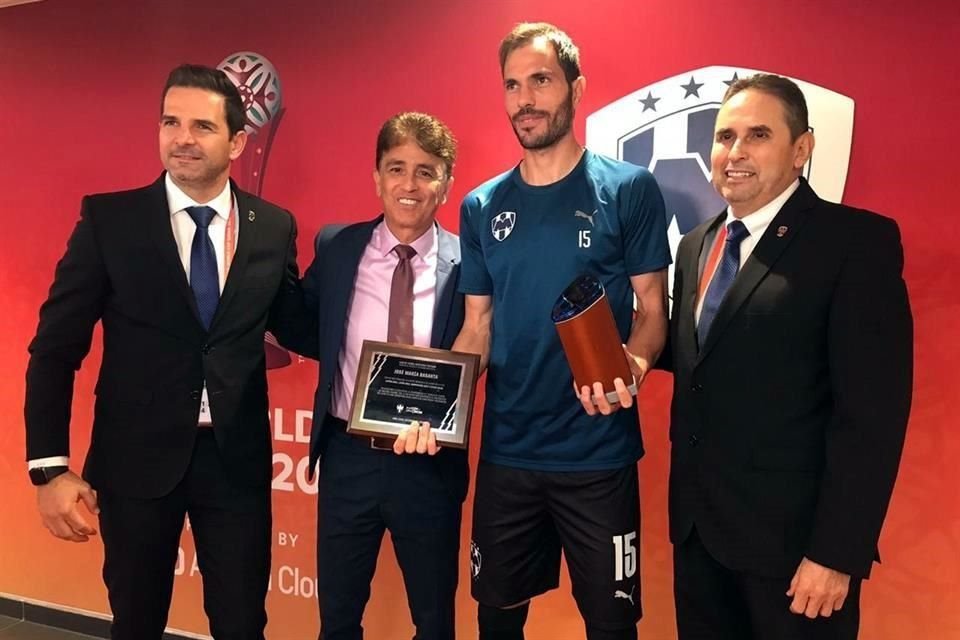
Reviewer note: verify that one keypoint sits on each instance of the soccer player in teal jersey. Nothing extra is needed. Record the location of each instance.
(556, 474)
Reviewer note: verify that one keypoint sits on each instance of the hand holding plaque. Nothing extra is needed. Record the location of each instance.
(418, 438)
(398, 384)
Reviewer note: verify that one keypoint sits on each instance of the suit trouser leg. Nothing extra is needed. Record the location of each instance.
(716, 603)
(708, 602)
(232, 530)
(423, 518)
(140, 543)
(770, 615)
(349, 532)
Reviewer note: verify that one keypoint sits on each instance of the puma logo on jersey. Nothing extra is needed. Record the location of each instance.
(586, 216)
(622, 595)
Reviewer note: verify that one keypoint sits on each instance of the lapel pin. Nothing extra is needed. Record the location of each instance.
(781, 231)
(251, 216)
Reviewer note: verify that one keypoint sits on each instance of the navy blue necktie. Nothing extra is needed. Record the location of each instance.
(204, 274)
(722, 278)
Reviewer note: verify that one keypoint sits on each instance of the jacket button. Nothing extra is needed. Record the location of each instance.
(195, 395)
(697, 388)
(205, 349)
(693, 440)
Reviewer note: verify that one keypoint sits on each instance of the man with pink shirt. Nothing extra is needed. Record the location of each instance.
(362, 279)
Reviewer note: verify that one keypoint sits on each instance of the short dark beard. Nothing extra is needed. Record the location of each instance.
(558, 125)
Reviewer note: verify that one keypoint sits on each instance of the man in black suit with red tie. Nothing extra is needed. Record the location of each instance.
(791, 347)
(185, 275)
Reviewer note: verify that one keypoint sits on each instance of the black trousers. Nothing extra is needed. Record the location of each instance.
(232, 533)
(716, 603)
(364, 492)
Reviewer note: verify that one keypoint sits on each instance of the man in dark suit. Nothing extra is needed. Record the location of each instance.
(366, 278)
(791, 342)
(186, 275)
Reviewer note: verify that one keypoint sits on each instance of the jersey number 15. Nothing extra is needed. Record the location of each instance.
(625, 555)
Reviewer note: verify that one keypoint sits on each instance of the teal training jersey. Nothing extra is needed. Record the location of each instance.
(522, 245)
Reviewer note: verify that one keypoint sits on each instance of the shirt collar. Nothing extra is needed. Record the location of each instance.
(384, 241)
(758, 221)
(178, 200)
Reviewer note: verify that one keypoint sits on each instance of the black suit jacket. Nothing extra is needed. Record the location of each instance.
(787, 427)
(122, 268)
(328, 289)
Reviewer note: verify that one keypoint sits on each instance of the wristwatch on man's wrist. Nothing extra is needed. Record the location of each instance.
(43, 475)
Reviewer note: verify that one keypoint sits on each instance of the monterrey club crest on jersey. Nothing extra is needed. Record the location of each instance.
(668, 127)
(502, 224)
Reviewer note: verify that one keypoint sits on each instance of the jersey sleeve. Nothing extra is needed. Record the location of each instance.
(644, 224)
(474, 276)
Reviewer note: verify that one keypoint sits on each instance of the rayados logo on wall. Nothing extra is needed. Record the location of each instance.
(667, 126)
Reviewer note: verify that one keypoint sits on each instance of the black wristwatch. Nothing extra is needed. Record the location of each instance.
(43, 475)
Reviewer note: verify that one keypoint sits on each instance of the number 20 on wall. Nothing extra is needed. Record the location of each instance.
(293, 475)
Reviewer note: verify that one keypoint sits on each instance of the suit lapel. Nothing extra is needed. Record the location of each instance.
(765, 254)
(348, 263)
(247, 238)
(344, 260)
(448, 257)
(160, 228)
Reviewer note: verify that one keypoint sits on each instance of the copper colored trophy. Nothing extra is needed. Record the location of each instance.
(259, 85)
(590, 338)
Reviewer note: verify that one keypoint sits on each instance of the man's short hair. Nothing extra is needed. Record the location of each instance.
(784, 90)
(427, 131)
(526, 32)
(197, 76)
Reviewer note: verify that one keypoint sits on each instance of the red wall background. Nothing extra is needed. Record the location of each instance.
(79, 100)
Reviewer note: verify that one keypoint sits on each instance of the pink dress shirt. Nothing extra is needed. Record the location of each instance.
(370, 305)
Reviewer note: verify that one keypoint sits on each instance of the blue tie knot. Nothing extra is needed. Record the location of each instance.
(737, 232)
(201, 216)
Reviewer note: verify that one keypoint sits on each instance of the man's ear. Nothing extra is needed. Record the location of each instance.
(803, 149)
(237, 144)
(578, 86)
(448, 184)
